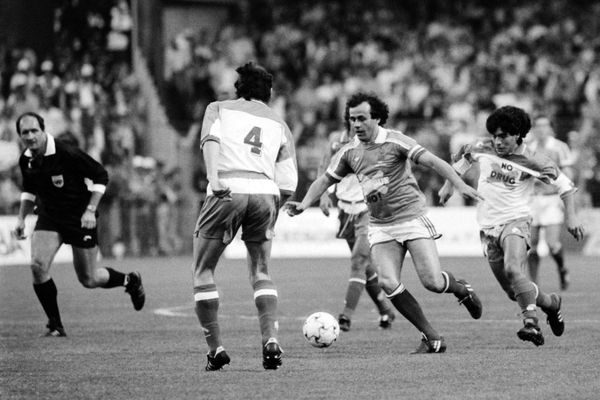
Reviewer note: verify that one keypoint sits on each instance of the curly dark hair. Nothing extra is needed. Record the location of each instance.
(512, 120)
(379, 110)
(254, 82)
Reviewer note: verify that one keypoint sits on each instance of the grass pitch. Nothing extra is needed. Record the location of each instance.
(113, 352)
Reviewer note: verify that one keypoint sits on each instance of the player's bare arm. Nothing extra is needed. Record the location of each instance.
(211, 156)
(316, 189)
(574, 225)
(446, 171)
(88, 219)
(25, 208)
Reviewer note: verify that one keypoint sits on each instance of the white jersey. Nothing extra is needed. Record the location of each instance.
(507, 182)
(556, 150)
(256, 147)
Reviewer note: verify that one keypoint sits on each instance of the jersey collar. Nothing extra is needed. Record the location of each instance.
(50, 147)
(381, 134)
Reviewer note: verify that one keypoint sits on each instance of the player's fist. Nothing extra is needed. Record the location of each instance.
(325, 204)
(19, 230)
(293, 208)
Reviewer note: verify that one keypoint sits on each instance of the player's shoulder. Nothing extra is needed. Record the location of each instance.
(399, 138)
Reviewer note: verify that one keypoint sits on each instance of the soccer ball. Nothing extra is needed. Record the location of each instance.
(321, 329)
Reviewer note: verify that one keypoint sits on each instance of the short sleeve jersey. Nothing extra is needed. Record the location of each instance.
(61, 179)
(556, 150)
(507, 182)
(348, 189)
(385, 175)
(257, 152)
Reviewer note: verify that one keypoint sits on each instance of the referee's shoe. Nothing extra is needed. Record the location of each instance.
(136, 290)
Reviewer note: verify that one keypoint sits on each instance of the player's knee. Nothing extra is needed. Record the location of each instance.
(434, 284)
(38, 269)
(88, 281)
(388, 284)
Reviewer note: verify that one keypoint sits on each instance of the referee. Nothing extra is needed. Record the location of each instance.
(54, 182)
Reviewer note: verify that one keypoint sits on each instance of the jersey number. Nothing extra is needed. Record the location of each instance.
(253, 139)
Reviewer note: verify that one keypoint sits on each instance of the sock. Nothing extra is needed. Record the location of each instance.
(526, 293)
(543, 300)
(353, 292)
(115, 279)
(47, 295)
(560, 261)
(265, 299)
(207, 307)
(452, 286)
(374, 290)
(408, 306)
(534, 265)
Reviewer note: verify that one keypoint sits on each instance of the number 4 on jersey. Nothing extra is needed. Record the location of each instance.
(253, 139)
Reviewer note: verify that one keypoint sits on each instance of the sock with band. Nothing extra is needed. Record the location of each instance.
(408, 306)
(265, 299)
(207, 307)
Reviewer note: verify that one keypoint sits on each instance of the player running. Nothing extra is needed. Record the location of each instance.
(507, 173)
(54, 181)
(353, 216)
(398, 222)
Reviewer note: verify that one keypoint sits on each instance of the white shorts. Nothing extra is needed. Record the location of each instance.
(547, 210)
(418, 228)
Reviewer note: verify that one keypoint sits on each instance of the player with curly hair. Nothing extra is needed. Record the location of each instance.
(397, 213)
(251, 170)
(507, 173)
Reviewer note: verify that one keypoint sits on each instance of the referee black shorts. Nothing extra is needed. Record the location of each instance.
(70, 231)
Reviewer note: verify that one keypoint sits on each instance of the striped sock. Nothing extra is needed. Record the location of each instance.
(265, 299)
(408, 306)
(353, 292)
(207, 307)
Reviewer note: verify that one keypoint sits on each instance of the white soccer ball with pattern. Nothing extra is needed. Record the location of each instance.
(321, 329)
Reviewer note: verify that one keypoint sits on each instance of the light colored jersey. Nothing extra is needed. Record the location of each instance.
(507, 182)
(347, 190)
(556, 150)
(385, 176)
(256, 147)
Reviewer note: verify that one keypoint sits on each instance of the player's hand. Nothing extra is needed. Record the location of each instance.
(576, 230)
(470, 193)
(293, 208)
(88, 220)
(19, 230)
(221, 191)
(445, 192)
(325, 204)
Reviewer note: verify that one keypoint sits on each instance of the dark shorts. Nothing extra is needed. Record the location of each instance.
(255, 213)
(352, 225)
(70, 231)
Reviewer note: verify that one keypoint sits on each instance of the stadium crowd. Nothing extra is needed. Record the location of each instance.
(87, 94)
(441, 68)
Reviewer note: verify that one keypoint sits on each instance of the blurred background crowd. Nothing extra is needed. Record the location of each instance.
(440, 66)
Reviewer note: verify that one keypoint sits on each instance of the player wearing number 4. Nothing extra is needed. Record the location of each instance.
(251, 169)
(398, 222)
(507, 173)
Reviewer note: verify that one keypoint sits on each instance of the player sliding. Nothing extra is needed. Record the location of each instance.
(507, 171)
(398, 222)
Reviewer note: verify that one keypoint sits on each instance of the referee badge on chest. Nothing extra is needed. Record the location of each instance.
(58, 181)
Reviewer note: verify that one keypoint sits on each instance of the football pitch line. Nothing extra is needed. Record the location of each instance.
(187, 311)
